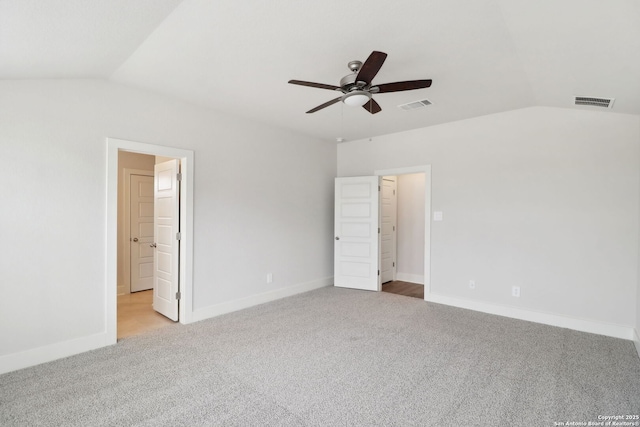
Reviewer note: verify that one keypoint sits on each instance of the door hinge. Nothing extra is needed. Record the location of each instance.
(378, 230)
(378, 188)
(394, 228)
(394, 264)
(394, 192)
(178, 295)
(378, 272)
(179, 176)
(178, 236)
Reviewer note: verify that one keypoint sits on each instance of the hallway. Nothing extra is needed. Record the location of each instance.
(408, 289)
(137, 316)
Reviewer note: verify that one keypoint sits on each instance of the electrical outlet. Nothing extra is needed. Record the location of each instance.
(269, 277)
(472, 284)
(515, 291)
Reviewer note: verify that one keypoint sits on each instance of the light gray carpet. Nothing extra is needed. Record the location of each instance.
(335, 357)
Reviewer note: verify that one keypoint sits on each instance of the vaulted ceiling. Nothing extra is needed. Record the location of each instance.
(484, 56)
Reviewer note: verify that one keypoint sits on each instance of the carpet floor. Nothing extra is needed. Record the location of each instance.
(335, 357)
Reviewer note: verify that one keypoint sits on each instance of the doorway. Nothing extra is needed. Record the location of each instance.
(136, 315)
(404, 243)
(357, 227)
(407, 289)
(402, 213)
(135, 221)
(184, 271)
(136, 311)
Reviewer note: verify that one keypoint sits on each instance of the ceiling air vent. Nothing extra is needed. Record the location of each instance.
(415, 105)
(594, 102)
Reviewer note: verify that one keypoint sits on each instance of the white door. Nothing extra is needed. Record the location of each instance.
(388, 229)
(356, 233)
(167, 239)
(141, 232)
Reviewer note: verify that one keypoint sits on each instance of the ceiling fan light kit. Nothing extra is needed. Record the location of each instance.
(356, 98)
(358, 88)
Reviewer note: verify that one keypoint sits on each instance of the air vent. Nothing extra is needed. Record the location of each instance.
(594, 102)
(415, 105)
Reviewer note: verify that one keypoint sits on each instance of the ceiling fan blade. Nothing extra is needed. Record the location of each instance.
(311, 84)
(400, 86)
(371, 67)
(372, 106)
(326, 104)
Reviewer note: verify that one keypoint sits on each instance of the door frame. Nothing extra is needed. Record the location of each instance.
(185, 304)
(426, 169)
(126, 226)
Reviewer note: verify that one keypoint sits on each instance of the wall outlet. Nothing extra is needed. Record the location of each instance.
(269, 277)
(472, 284)
(515, 291)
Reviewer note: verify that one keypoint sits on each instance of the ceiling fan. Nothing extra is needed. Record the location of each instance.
(357, 88)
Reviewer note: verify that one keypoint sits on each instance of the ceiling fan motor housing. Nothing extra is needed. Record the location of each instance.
(348, 83)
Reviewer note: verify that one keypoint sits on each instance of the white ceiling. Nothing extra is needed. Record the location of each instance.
(484, 56)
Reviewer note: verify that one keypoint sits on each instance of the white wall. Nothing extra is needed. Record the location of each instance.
(542, 198)
(410, 236)
(263, 203)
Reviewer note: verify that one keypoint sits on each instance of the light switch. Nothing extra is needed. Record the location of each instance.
(437, 216)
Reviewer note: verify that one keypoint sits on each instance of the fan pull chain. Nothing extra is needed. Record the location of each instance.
(341, 138)
(370, 120)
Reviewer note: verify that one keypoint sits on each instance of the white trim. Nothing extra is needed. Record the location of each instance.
(126, 203)
(49, 353)
(253, 300)
(412, 278)
(636, 340)
(426, 170)
(584, 325)
(186, 226)
(404, 171)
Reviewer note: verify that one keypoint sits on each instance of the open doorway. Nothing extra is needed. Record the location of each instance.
(417, 191)
(176, 185)
(402, 218)
(357, 227)
(137, 245)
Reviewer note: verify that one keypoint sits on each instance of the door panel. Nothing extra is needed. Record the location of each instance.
(166, 227)
(356, 233)
(141, 232)
(388, 229)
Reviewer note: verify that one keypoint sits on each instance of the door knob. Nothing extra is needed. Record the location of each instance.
(135, 239)
(153, 245)
(337, 238)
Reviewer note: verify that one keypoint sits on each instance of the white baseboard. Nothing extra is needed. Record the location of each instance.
(636, 340)
(583, 325)
(250, 301)
(412, 278)
(36, 356)
(48, 353)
